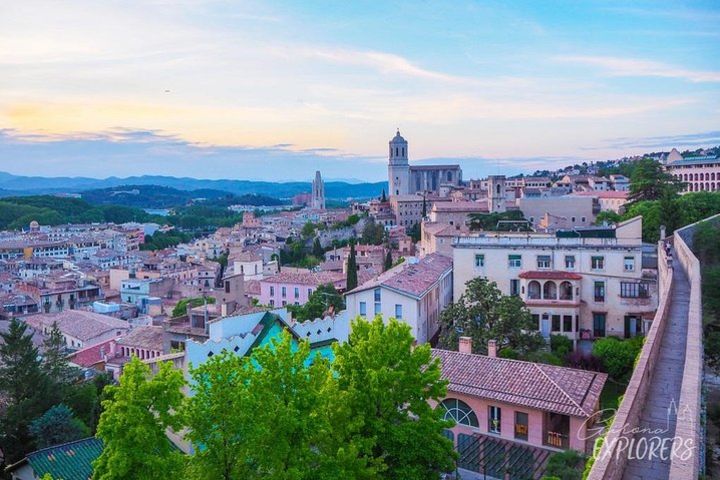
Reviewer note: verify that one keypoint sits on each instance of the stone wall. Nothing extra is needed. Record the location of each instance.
(610, 463)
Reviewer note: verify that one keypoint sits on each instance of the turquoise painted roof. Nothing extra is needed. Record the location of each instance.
(69, 461)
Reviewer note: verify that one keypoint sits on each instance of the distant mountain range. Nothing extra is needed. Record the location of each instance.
(12, 185)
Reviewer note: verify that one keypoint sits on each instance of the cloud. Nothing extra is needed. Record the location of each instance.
(707, 139)
(629, 67)
(124, 152)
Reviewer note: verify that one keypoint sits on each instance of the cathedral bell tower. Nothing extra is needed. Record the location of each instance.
(398, 166)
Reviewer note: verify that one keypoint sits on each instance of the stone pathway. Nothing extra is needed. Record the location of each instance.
(659, 416)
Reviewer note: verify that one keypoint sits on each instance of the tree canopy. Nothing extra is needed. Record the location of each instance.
(484, 313)
(320, 301)
(137, 414)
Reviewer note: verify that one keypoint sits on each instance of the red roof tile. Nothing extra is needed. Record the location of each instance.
(550, 275)
(562, 390)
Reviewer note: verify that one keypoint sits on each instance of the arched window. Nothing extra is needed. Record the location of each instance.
(534, 290)
(403, 151)
(449, 176)
(550, 291)
(460, 412)
(497, 188)
(566, 291)
(712, 176)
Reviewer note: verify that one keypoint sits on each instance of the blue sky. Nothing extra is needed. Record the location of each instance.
(276, 90)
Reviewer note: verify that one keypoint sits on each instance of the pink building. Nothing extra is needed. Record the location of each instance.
(293, 286)
(698, 173)
(520, 411)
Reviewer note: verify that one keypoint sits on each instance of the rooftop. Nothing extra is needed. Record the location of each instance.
(147, 337)
(69, 461)
(567, 391)
(80, 324)
(411, 278)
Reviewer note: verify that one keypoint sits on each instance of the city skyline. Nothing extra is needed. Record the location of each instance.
(275, 92)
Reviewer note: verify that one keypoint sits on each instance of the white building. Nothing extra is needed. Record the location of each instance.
(414, 292)
(582, 283)
(698, 173)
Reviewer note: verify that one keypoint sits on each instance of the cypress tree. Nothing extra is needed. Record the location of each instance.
(351, 269)
(388, 261)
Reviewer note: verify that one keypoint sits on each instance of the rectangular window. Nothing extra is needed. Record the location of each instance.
(521, 425)
(597, 263)
(297, 292)
(283, 292)
(227, 286)
(634, 290)
(543, 262)
(376, 294)
(378, 308)
(599, 289)
(570, 261)
(629, 263)
(514, 286)
(398, 311)
(479, 260)
(272, 291)
(514, 261)
(284, 303)
(309, 292)
(494, 419)
(556, 323)
(567, 323)
(599, 324)
(363, 308)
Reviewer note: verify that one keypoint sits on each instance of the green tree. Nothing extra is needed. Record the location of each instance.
(567, 465)
(55, 357)
(386, 382)
(180, 308)
(617, 356)
(220, 419)
(424, 207)
(137, 414)
(57, 425)
(609, 217)
(324, 297)
(670, 212)
(383, 198)
(484, 313)
(352, 279)
(317, 249)
(25, 388)
(308, 230)
(373, 233)
(650, 181)
(414, 232)
(388, 261)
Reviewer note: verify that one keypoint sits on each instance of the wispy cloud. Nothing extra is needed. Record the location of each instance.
(631, 67)
(710, 138)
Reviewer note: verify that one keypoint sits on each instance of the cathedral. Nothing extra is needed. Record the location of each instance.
(404, 179)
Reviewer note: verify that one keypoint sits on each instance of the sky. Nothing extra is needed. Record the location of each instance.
(275, 90)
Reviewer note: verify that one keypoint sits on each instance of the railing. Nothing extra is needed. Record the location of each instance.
(611, 459)
(557, 440)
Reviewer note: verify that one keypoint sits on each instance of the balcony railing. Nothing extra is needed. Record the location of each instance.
(557, 440)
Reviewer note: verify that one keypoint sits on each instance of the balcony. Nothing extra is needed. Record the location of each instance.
(557, 440)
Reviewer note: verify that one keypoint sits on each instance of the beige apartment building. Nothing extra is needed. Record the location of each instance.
(582, 283)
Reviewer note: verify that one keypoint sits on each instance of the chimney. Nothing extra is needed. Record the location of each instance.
(465, 345)
(662, 232)
(492, 348)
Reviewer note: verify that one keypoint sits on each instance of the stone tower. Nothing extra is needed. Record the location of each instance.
(318, 193)
(398, 166)
(496, 193)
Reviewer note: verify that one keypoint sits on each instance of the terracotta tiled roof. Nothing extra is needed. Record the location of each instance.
(78, 323)
(550, 275)
(147, 337)
(305, 277)
(412, 278)
(534, 385)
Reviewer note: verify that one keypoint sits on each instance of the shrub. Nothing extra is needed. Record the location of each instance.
(617, 356)
(560, 345)
(566, 465)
